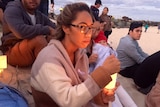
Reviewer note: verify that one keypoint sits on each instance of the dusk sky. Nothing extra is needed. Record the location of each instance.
(148, 10)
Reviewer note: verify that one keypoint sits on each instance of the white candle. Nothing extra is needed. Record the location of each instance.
(112, 84)
(3, 64)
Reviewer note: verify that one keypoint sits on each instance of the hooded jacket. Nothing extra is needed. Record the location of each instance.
(95, 12)
(54, 77)
(17, 24)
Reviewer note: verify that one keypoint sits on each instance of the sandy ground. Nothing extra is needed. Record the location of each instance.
(19, 77)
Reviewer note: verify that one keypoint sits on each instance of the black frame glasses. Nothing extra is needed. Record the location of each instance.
(83, 28)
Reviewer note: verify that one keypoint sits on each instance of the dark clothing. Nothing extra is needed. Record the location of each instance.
(129, 71)
(148, 70)
(17, 25)
(108, 26)
(107, 33)
(145, 73)
(95, 12)
(136, 64)
(43, 7)
(3, 3)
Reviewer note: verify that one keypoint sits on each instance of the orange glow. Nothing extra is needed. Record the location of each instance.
(112, 84)
(3, 63)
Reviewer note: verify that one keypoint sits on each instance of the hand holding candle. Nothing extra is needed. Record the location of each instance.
(112, 84)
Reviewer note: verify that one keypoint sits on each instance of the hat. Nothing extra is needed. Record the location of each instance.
(100, 37)
(98, 2)
(135, 24)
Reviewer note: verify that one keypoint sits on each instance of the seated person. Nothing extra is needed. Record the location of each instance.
(59, 75)
(24, 32)
(135, 63)
(103, 50)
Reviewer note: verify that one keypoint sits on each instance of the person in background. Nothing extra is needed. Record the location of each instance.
(135, 63)
(95, 10)
(158, 28)
(25, 32)
(59, 75)
(93, 57)
(107, 22)
(3, 4)
(51, 10)
(43, 7)
(146, 27)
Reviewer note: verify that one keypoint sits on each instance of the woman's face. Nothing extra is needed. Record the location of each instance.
(79, 33)
(105, 11)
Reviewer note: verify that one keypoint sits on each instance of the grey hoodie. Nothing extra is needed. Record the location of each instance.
(17, 24)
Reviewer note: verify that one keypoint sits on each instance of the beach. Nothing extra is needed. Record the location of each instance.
(19, 77)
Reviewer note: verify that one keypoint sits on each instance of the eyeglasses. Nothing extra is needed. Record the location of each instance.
(83, 28)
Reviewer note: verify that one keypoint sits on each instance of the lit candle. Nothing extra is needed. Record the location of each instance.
(3, 63)
(111, 85)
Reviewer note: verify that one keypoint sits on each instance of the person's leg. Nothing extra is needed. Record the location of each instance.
(25, 52)
(129, 71)
(147, 73)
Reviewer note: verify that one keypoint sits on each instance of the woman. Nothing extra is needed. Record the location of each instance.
(60, 73)
(104, 17)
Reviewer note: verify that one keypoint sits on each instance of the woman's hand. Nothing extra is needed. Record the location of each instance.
(111, 65)
(109, 94)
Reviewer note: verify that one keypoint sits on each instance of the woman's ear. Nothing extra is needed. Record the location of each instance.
(66, 29)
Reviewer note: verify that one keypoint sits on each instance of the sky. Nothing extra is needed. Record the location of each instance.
(148, 10)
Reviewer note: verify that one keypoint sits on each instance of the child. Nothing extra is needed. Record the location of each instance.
(102, 48)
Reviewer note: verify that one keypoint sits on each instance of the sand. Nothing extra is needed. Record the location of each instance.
(149, 41)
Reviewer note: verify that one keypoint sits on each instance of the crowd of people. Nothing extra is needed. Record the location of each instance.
(71, 60)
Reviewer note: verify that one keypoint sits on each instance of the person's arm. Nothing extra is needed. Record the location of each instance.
(131, 50)
(20, 25)
(54, 80)
(142, 52)
(58, 86)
